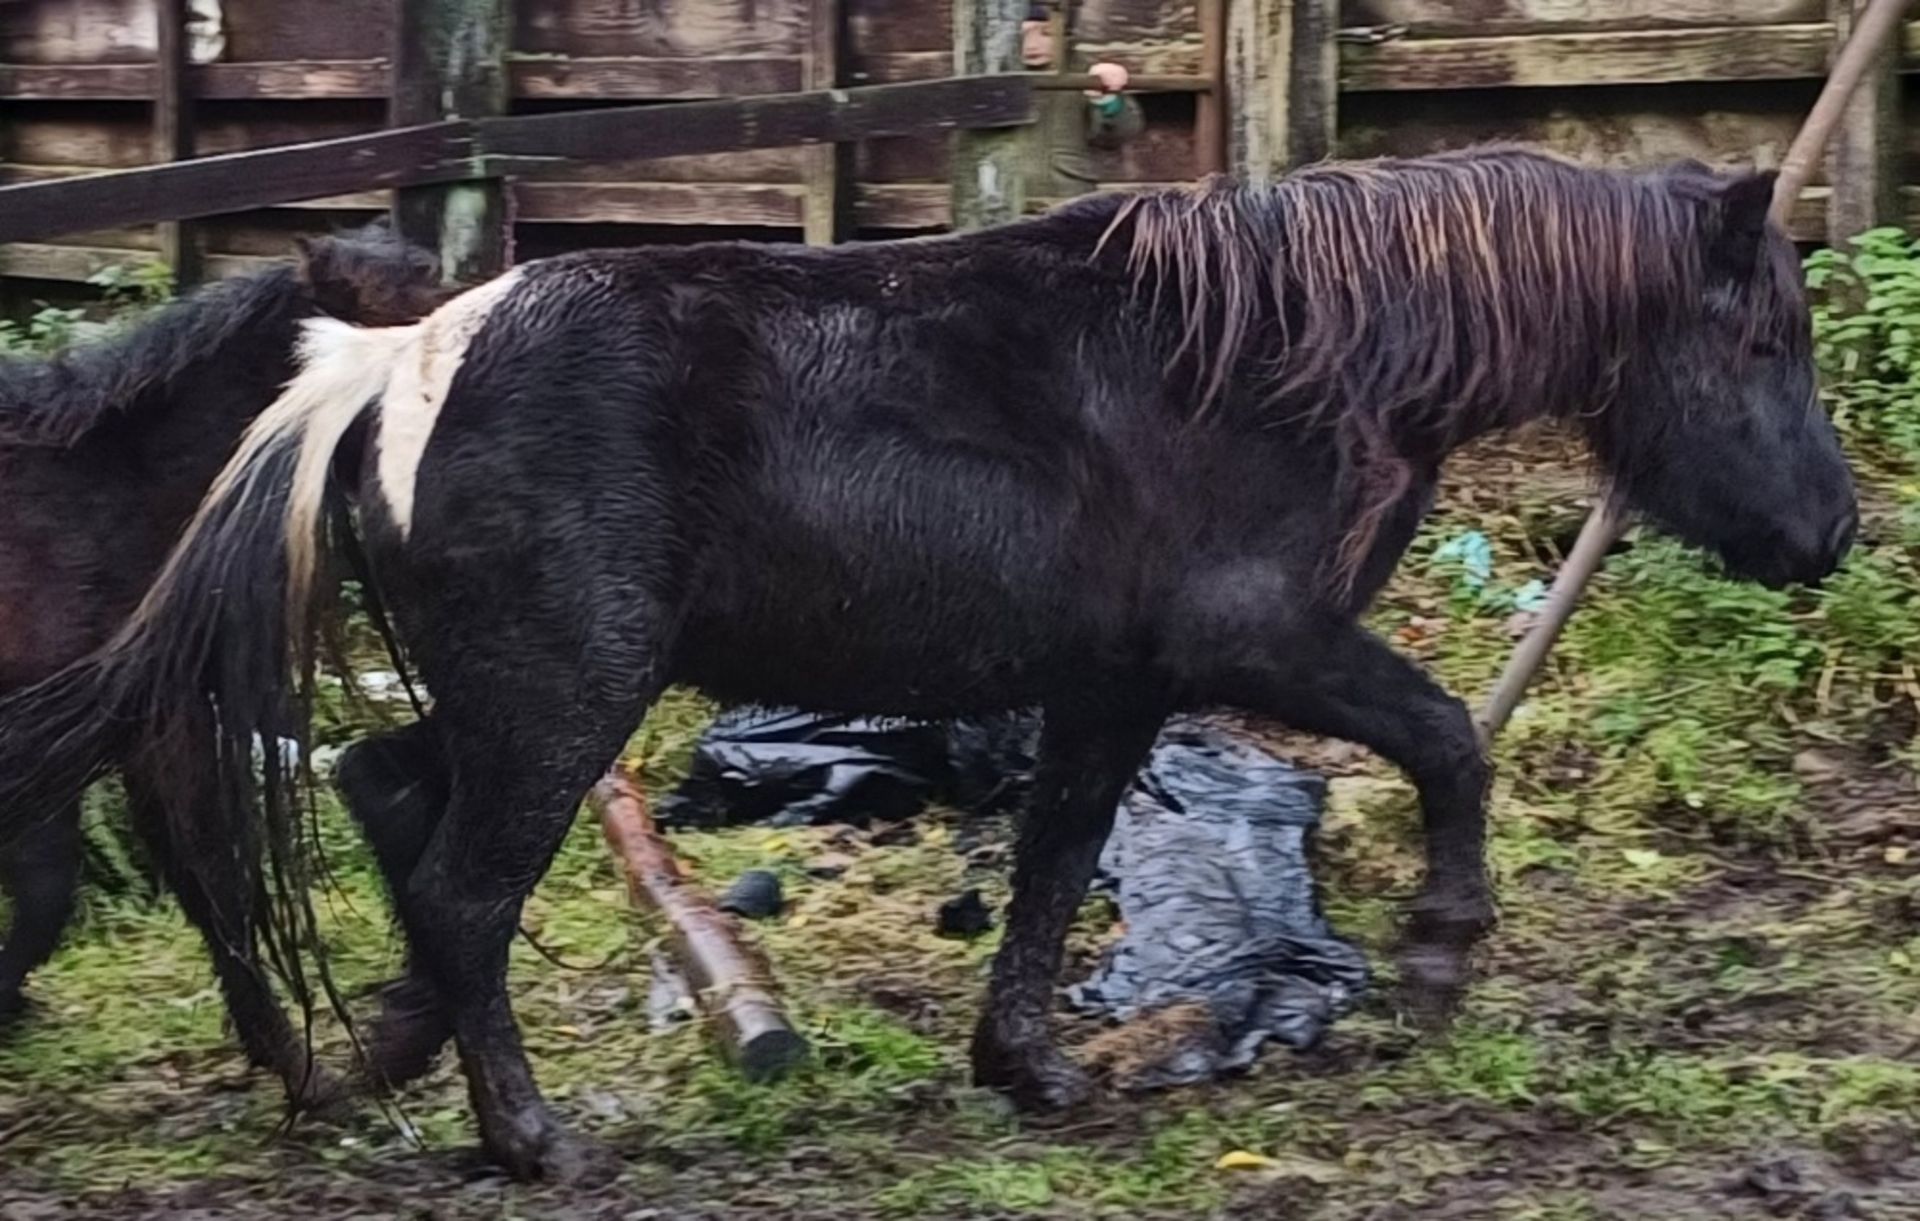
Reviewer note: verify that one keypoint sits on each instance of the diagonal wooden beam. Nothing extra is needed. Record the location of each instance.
(208, 186)
(461, 150)
(824, 116)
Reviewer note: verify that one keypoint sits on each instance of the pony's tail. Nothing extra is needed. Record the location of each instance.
(219, 652)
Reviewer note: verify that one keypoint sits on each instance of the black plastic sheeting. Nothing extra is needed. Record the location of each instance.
(1208, 862)
(788, 768)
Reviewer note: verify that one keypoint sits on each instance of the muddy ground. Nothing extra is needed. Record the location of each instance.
(1702, 1002)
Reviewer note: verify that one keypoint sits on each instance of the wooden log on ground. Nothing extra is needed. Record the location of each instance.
(732, 983)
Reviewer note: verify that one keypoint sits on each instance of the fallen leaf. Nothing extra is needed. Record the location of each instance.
(1284, 1167)
(1897, 854)
(1641, 858)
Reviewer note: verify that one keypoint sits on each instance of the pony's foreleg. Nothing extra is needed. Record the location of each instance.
(40, 875)
(1085, 766)
(215, 893)
(395, 786)
(1339, 681)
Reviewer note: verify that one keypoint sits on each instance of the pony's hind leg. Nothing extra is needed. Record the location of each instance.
(525, 736)
(40, 875)
(1085, 766)
(219, 900)
(395, 786)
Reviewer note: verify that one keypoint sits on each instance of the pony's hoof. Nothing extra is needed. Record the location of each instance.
(1035, 1077)
(320, 1094)
(1436, 957)
(1433, 982)
(551, 1154)
(407, 1036)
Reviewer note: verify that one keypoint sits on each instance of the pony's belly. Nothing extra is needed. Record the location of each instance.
(923, 653)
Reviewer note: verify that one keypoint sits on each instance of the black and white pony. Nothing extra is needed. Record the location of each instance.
(1141, 454)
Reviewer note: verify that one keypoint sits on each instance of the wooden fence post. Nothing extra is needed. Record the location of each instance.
(1259, 59)
(989, 167)
(1313, 82)
(827, 211)
(173, 130)
(1864, 162)
(1282, 85)
(450, 61)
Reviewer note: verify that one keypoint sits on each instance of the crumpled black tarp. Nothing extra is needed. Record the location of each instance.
(788, 768)
(1208, 860)
(1208, 863)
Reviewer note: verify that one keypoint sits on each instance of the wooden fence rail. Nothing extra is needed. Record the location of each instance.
(475, 149)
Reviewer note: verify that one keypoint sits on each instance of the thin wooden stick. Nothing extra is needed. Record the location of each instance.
(732, 984)
(1603, 526)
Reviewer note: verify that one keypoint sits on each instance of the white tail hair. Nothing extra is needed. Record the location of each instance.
(402, 371)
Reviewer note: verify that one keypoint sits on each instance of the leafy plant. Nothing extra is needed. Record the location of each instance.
(1866, 320)
(142, 285)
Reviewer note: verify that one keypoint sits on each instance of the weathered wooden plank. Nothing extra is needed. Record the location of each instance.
(1727, 126)
(882, 27)
(890, 67)
(654, 77)
(113, 135)
(903, 205)
(764, 122)
(210, 185)
(78, 31)
(633, 27)
(450, 62)
(310, 79)
(1728, 53)
(1865, 156)
(660, 203)
(989, 168)
(306, 79)
(314, 30)
(1440, 18)
(761, 165)
(1136, 23)
(173, 129)
(77, 264)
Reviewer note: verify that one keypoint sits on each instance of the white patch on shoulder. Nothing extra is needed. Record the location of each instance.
(418, 388)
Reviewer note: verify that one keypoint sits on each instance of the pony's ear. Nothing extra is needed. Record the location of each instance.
(1741, 231)
(315, 255)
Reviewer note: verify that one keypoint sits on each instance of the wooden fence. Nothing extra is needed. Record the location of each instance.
(88, 86)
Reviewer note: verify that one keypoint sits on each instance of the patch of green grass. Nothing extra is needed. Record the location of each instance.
(1497, 1066)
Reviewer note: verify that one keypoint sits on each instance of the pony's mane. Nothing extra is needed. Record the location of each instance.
(1410, 304)
(56, 401)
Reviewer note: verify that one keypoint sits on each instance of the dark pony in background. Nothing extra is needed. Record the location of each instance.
(1140, 455)
(105, 450)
